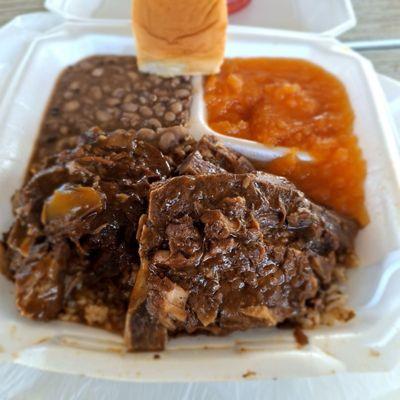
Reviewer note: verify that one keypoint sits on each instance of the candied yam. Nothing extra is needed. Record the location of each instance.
(296, 104)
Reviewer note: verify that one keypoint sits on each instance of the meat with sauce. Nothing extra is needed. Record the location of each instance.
(227, 252)
(155, 233)
(72, 247)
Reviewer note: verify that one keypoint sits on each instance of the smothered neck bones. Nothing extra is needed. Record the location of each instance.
(151, 233)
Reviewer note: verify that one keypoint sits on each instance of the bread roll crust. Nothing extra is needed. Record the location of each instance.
(180, 37)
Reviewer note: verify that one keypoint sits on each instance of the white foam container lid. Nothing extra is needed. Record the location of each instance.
(327, 17)
(370, 342)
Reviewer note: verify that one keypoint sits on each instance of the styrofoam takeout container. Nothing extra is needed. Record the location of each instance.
(370, 342)
(328, 17)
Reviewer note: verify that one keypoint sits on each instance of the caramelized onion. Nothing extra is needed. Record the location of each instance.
(71, 201)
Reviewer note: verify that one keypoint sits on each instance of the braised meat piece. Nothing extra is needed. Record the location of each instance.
(210, 156)
(72, 249)
(213, 151)
(195, 164)
(228, 252)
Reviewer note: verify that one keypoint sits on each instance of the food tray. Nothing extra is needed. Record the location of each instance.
(328, 17)
(370, 342)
